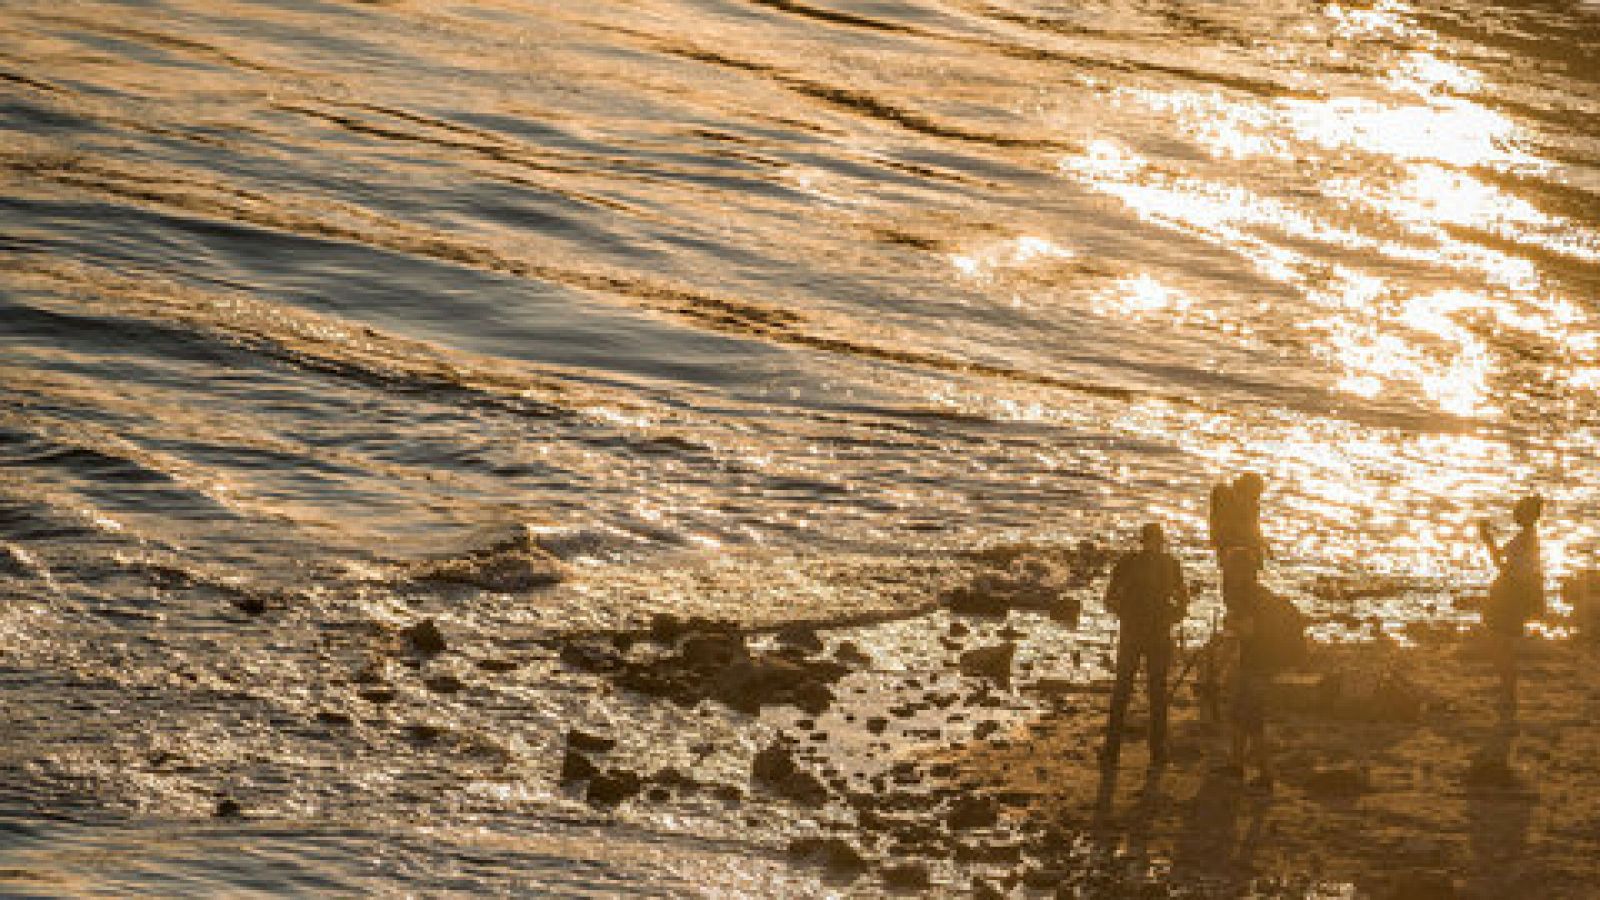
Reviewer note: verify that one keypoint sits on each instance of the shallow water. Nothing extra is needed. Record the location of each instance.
(754, 308)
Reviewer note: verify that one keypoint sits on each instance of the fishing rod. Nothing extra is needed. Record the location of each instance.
(1192, 658)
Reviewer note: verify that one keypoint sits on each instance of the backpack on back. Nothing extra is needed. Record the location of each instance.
(1279, 642)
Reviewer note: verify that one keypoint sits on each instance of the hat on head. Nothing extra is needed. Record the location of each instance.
(1528, 509)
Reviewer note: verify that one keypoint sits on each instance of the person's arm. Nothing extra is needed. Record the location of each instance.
(1180, 592)
(1114, 588)
(1496, 552)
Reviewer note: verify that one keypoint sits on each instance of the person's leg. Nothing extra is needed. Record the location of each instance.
(1239, 725)
(1121, 692)
(1157, 662)
(1503, 649)
(1513, 646)
(1263, 747)
(1208, 684)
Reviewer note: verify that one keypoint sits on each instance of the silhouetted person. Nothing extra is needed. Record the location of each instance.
(1256, 664)
(1235, 520)
(1148, 596)
(1517, 593)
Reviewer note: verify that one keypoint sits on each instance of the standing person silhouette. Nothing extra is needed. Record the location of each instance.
(1516, 595)
(1252, 675)
(1148, 596)
(1234, 516)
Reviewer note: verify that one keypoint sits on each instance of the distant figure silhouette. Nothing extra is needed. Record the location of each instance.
(1148, 596)
(1517, 593)
(1235, 520)
(1255, 622)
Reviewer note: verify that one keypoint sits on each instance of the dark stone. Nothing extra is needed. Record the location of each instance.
(814, 697)
(426, 638)
(426, 732)
(658, 795)
(622, 641)
(801, 637)
(967, 601)
(838, 854)
(911, 876)
(773, 764)
(515, 563)
(849, 653)
(251, 604)
(665, 627)
(379, 696)
(613, 786)
(958, 629)
(591, 657)
(703, 625)
(990, 662)
(775, 767)
(1067, 609)
(728, 794)
(671, 777)
(1015, 799)
(713, 651)
(747, 685)
(498, 665)
(589, 743)
(576, 767)
(444, 684)
(804, 789)
(877, 724)
(228, 808)
(334, 717)
(973, 812)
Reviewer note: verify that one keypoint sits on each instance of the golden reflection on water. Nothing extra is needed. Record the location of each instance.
(1419, 149)
(1141, 294)
(1392, 285)
(1020, 252)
